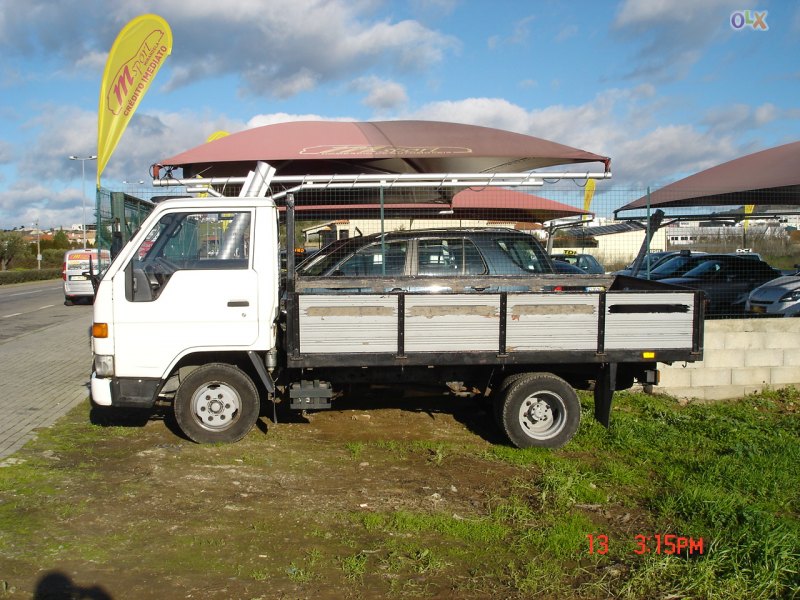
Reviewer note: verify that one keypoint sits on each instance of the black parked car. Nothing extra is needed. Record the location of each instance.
(585, 262)
(727, 280)
(566, 268)
(415, 255)
(432, 252)
(651, 260)
(677, 266)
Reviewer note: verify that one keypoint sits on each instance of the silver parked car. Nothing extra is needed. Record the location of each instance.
(778, 298)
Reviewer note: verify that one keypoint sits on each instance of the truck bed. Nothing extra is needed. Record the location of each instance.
(633, 320)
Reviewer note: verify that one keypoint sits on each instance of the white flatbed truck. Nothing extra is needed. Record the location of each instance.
(195, 309)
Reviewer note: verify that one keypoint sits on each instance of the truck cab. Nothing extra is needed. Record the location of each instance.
(194, 282)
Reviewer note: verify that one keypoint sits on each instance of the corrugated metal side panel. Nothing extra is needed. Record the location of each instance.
(348, 323)
(649, 330)
(452, 323)
(552, 322)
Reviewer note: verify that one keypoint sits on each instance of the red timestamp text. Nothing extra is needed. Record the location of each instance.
(667, 544)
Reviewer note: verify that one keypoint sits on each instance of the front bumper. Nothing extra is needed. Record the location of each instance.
(124, 391)
(101, 390)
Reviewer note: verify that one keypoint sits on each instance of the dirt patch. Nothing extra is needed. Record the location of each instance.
(129, 509)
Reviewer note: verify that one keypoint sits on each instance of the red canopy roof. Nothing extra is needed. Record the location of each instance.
(767, 177)
(334, 147)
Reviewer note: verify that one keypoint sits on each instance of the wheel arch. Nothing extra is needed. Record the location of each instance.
(237, 358)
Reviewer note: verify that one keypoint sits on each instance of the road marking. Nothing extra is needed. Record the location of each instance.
(29, 312)
(32, 292)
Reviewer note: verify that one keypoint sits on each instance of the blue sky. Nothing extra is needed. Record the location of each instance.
(665, 88)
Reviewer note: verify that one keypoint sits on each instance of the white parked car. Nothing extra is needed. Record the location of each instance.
(778, 298)
(76, 269)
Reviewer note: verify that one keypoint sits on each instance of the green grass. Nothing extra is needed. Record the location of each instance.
(726, 473)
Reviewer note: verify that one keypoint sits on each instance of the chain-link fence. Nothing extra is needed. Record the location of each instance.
(727, 251)
(120, 213)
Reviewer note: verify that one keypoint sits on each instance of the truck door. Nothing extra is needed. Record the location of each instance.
(190, 286)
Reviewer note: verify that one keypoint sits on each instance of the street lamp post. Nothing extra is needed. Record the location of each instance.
(38, 248)
(83, 160)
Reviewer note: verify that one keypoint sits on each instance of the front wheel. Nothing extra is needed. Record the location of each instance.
(216, 403)
(540, 410)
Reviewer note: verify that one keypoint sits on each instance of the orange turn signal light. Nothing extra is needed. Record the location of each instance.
(100, 330)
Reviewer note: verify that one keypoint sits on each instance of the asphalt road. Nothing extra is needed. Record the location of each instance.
(29, 307)
(45, 360)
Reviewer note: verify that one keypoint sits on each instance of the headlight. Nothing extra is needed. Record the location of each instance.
(791, 296)
(104, 365)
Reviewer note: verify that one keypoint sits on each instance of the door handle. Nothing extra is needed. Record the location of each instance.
(238, 303)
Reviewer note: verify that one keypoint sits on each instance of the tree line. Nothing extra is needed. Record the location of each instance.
(16, 252)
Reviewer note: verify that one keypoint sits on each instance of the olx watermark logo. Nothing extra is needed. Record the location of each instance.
(742, 19)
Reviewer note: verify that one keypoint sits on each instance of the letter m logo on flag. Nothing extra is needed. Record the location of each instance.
(121, 87)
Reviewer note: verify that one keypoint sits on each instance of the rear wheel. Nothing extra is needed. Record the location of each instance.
(499, 396)
(216, 403)
(540, 410)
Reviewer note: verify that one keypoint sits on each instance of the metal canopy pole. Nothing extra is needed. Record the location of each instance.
(383, 237)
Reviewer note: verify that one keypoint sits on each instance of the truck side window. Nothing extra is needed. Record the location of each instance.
(187, 241)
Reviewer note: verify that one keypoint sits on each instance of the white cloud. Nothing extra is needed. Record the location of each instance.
(738, 118)
(279, 48)
(6, 152)
(277, 57)
(520, 34)
(381, 95)
(676, 33)
(272, 118)
(28, 201)
(615, 124)
(766, 113)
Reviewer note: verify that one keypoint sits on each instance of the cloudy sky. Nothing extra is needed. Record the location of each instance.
(663, 87)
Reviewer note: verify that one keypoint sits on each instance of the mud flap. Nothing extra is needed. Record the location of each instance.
(604, 392)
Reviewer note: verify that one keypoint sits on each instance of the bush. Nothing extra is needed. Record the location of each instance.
(28, 275)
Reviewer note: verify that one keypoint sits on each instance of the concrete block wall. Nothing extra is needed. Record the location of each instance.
(741, 356)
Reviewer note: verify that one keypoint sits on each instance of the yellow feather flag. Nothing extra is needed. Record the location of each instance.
(748, 210)
(217, 135)
(214, 136)
(588, 194)
(135, 57)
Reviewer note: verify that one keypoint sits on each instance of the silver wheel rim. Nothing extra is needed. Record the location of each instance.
(542, 415)
(216, 406)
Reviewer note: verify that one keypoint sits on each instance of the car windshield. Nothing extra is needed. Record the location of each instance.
(328, 257)
(525, 253)
(672, 265)
(708, 267)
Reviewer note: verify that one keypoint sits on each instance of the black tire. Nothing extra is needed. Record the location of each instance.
(540, 410)
(216, 403)
(499, 397)
(69, 300)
